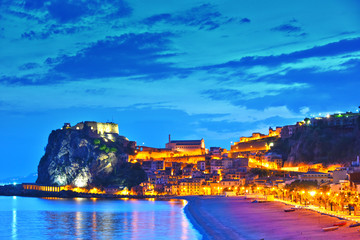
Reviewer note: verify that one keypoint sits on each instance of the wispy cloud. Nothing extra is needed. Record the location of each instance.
(331, 49)
(126, 55)
(204, 17)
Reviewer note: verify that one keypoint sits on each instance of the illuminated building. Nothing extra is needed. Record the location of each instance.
(109, 130)
(201, 165)
(319, 177)
(347, 119)
(168, 155)
(191, 186)
(288, 131)
(37, 187)
(257, 136)
(339, 175)
(190, 147)
(274, 161)
(232, 183)
(216, 165)
(98, 127)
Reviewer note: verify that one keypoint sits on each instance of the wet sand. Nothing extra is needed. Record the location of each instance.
(237, 218)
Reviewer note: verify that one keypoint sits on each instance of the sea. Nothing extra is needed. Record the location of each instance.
(55, 218)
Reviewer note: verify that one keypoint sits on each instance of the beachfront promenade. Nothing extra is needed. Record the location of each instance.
(238, 218)
(322, 210)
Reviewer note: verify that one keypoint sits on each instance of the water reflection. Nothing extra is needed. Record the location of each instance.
(94, 226)
(93, 219)
(14, 225)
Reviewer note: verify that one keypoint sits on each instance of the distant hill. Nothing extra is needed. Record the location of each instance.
(31, 178)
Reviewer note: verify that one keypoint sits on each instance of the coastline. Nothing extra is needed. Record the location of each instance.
(218, 217)
(237, 218)
(194, 223)
(207, 226)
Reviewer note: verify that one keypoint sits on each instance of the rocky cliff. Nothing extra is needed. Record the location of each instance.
(84, 158)
(321, 144)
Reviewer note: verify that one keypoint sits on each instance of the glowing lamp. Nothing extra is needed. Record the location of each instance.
(312, 193)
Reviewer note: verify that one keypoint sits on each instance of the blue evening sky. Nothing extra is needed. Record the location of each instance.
(216, 70)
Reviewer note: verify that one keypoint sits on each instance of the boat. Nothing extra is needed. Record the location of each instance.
(342, 223)
(289, 210)
(355, 225)
(332, 228)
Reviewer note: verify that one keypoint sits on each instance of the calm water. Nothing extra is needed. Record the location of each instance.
(36, 218)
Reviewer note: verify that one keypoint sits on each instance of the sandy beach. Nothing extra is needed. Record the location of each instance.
(237, 218)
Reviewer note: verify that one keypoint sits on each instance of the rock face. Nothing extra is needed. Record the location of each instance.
(86, 158)
(321, 144)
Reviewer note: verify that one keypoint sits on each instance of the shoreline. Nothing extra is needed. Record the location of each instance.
(194, 223)
(219, 217)
(17, 190)
(237, 218)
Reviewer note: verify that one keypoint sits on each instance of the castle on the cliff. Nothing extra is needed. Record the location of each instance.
(109, 130)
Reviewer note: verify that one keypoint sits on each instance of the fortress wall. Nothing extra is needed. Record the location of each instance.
(107, 128)
(100, 128)
(249, 146)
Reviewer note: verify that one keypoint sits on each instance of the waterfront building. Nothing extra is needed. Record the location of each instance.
(39, 187)
(232, 183)
(319, 177)
(338, 175)
(191, 186)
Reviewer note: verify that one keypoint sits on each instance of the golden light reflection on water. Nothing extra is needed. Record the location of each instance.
(51, 198)
(94, 226)
(14, 225)
(98, 219)
(79, 223)
(135, 224)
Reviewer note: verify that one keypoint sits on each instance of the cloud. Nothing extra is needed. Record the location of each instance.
(28, 66)
(140, 56)
(288, 28)
(2, 32)
(69, 10)
(72, 11)
(251, 90)
(34, 4)
(126, 55)
(245, 20)
(98, 91)
(32, 79)
(304, 110)
(326, 90)
(331, 49)
(53, 29)
(202, 17)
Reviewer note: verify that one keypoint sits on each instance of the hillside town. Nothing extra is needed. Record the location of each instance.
(251, 167)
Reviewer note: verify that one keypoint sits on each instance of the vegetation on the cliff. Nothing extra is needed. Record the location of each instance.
(125, 174)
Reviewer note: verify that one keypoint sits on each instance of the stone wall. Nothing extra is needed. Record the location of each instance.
(100, 128)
